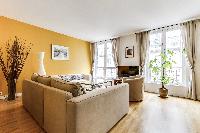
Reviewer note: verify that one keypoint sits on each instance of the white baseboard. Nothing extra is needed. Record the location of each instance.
(5, 96)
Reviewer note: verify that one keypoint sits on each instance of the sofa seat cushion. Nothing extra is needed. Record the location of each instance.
(74, 88)
(44, 80)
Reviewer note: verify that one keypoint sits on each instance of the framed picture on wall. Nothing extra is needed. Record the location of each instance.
(60, 52)
(129, 52)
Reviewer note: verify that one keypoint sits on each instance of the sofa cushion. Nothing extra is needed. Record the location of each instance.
(44, 80)
(70, 77)
(34, 77)
(74, 88)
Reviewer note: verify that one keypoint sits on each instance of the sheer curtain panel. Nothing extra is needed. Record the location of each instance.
(189, 33)
(143, 40)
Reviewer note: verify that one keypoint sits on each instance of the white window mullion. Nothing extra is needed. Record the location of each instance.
(96, 61)
(105, 58)
(163, 45)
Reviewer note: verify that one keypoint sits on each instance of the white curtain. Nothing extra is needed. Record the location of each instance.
(92, 51)
(115, 44)
(189, 33)
(143, 41)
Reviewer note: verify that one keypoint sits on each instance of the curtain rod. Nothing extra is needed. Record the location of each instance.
(154, 29)
(169, 26)
(106, 40)
(164, 27)
(160, 28)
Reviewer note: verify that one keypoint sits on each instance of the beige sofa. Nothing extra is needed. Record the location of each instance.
(57, 111)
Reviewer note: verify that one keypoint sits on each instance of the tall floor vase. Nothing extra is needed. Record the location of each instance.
(11, 83)
(41, 70)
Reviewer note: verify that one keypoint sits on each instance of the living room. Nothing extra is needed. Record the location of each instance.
(100, 66)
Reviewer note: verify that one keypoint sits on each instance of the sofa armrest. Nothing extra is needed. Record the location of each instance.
(97, 111)
(55, 110)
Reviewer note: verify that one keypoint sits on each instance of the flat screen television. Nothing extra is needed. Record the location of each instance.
(126, 71)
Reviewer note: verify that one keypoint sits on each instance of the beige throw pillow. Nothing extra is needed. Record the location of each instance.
(44, 80)
(34, 77)
(73, 88)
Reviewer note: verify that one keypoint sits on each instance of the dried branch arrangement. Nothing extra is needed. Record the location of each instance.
(13, 61)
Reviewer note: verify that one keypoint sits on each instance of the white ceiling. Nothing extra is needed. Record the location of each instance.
(94, 20)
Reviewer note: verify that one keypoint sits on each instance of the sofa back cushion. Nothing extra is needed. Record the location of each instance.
(74, 88)
(44, 80)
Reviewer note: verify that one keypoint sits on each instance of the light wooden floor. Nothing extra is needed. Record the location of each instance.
(15, 119)
(156, 115)
(153, 115)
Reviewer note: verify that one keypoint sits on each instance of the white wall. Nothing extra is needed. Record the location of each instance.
(129, 40)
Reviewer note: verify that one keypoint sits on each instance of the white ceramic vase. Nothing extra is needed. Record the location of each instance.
(41, 70)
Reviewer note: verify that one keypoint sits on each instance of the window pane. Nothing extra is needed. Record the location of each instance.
(155, 45)
(109, 56)
(173, 39)
(110, 73)
(100, 73)
(100, 48)
(154, 52)
(100, 62)
(174, 43)
(176, 75)
(100, 55)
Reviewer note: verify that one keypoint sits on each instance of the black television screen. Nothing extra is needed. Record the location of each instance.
(126, 71)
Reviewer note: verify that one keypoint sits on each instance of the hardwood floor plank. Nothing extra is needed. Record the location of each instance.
(152, 115)
(156, 115)
(15, 119)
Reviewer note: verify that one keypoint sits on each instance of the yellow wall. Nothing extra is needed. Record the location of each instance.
(42, 39)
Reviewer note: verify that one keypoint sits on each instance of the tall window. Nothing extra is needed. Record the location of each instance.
(105, 68)
(160, 42)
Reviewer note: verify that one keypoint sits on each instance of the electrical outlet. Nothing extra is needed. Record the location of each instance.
(1, 93)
